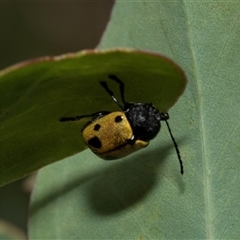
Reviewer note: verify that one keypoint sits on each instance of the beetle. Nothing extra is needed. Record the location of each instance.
(113, 135)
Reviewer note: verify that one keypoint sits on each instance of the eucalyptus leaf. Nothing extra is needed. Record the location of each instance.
(144, 196)
(36, 94)
(10, 232)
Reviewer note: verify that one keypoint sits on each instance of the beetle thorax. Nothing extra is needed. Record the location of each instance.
(144, 119)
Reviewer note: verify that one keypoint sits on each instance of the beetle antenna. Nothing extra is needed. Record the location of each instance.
(76, 118)
(121, 84)
(176, 147)
(105, 86)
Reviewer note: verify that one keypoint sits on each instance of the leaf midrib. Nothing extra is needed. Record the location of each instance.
(202, 135)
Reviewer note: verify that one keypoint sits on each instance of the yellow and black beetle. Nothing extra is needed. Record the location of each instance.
(112, 135)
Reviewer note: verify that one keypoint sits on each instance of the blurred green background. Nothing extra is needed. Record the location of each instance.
(33, 29)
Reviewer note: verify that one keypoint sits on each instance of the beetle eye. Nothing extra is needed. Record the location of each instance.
(118, 119)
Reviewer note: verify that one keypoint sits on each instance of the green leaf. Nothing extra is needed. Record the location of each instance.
(10, 232)
(144, 196)
(35, 95)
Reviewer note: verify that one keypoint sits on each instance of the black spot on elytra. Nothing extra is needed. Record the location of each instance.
(118, 119)
(97, 127)
(95, 142)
